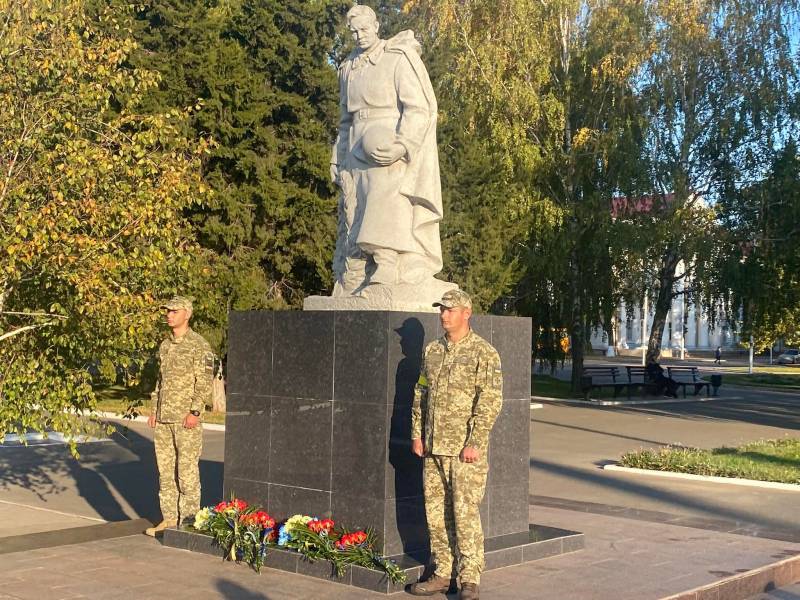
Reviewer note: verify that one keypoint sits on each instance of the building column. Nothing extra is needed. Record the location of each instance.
(702, 331)
(622, 326)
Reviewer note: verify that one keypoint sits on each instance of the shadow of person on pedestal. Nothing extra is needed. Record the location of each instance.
(408, 492)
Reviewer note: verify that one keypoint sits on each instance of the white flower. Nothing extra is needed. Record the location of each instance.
(201, 518)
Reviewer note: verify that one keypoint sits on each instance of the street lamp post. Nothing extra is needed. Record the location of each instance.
(644, 329)
(683, 326)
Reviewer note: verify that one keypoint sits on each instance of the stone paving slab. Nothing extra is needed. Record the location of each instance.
(624, 559)
(16, 519)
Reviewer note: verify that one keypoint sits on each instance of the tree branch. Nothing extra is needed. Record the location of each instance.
(20, 330)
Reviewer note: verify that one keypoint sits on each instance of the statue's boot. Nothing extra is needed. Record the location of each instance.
(414, 268)
(386, 271)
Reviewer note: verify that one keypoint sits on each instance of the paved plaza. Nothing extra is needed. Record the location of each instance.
(646, 537)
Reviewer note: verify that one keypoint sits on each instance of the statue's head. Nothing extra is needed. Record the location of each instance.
(363, 24)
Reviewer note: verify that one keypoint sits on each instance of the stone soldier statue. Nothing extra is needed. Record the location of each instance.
(386, 162)
(182, 391)
(456, 402)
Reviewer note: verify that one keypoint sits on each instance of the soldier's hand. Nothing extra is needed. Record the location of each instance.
(190, 421)
(389, 154)
(151, 421)
(417, 447)
(469, 454)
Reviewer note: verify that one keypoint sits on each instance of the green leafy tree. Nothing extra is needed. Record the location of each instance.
(91, 196)
(758, 274)
(549, 87)
(716, 90)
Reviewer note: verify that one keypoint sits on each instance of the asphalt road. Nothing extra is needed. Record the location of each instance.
(116, 479)
(570, 443)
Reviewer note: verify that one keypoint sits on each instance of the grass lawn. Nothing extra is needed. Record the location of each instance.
(765, 460)
(783, 377)
(117, 399)
(550, 387)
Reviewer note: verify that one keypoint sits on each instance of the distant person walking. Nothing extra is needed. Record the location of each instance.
(718, 356)
(186, 370)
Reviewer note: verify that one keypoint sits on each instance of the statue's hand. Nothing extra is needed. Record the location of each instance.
(335, 174)
(389, 154)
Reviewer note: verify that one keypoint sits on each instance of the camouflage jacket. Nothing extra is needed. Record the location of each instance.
(185, 375)
(458, 396)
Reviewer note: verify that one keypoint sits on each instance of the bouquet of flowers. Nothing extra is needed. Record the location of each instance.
(242, 531)
(246, 532)
(318, 539)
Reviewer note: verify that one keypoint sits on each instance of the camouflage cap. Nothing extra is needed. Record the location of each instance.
(178, 302)
(454, 298)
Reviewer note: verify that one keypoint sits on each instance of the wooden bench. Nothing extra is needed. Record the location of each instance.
(637, 378)
(597, 378)
(689, 376)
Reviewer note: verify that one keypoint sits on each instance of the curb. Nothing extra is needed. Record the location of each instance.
(72, 535)
(748, 584)
(635, 402)
(772, 485)
(143, 419)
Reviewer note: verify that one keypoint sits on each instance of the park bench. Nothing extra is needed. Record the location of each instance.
(597, 378)
(637, 378)
(689, 376)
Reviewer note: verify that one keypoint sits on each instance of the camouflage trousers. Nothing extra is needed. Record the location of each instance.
(177, 456)
(453, 494)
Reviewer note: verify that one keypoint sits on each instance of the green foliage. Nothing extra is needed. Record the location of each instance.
(261, 71)
(766, 460)
(716, 90)
(758, 273)
(91, 197)
(556, 114)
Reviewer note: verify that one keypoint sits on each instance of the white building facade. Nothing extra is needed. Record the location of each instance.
(687, 327)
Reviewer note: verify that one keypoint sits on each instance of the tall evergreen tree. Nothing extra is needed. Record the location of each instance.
(262, 75)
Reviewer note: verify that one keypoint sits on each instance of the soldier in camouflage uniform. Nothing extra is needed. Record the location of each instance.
(186, 368)
(456, 402)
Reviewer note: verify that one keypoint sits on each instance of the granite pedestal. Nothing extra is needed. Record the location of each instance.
(318, 422)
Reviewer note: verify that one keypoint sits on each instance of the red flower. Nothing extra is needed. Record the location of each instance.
(351, 539)
(272, 535)
(265, 520)
(318, 526)
(221, 506)
(239, 505)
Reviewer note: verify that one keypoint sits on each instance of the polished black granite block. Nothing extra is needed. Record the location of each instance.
(319, 419)
(249, 366)
(505, 551)
(302, 355)
(301, 443)
(253, 426)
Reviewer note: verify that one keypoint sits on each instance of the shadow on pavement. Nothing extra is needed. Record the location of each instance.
(677, 499)
(233, 591)
(106, 473)
(608, 433)
(762, 408)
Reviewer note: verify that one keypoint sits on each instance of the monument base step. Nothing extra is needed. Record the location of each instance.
(505, 551)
